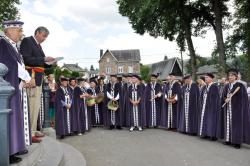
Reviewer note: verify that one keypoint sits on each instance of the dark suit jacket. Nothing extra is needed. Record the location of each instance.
(33, 56)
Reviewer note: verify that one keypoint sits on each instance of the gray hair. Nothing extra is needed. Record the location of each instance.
(42, 29)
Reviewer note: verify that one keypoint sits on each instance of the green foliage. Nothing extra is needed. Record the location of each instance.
(75, 74)
(239, 41)
(8, 10)
(144, 72)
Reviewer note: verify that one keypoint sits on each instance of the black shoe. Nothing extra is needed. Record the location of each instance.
(236, 146)
(61, 137)
(111, 127)
(204, 137)
(14, 159)
(155, 127)
(22, 152)
(119, 127)
(227, 143)
(213, 138)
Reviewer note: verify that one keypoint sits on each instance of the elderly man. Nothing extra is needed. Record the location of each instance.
(34, 59)
(13, 60)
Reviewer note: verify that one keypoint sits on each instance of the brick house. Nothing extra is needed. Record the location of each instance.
(119, 61)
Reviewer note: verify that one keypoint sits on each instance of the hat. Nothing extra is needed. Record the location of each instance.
(93, 79)
(72, 78)
(188, 76)
(202, 78)
(64, 79)
(233, 71)
(113, 75)
(136, 76)
(12, 24)
(154, 75)
(209, 75)
(173, 74)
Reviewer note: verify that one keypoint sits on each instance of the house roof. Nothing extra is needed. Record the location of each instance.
(125, 55)
(207, 69)
(73, 67)
(164, 68)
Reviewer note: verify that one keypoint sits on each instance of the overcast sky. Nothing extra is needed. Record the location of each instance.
(80, 28)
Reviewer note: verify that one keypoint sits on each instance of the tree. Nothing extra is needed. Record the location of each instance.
(240, 39)
(144, 71)
(8, 10)
(75, 74)
(210, 13)
(170, 19)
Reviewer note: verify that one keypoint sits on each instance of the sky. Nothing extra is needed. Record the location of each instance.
(80, 28)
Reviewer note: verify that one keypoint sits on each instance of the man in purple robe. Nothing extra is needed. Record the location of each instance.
(95, 109)
(113, 92)
(153, 102)
(72, 86)
(63, 110)
(234, 116)
(83, 113)
(190, 96)
(135, 112)
(10, 56)
(210, 106)
(171, 105)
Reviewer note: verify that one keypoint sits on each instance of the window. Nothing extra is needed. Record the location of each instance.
(120, 69)
(130, 69)
(108, 60)
(108, 70)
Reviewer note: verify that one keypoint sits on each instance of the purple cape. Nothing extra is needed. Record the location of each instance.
(61, 123)
(148, 105)
(240, 131)
(96, 112)
(141, 111)
(9, 57)
(119, 111)
(191, 121)
(212, 108)
(176, 90)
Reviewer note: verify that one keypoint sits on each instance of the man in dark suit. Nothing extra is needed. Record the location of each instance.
(35, 61)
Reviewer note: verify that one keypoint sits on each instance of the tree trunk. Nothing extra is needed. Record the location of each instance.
(191, 49)
(219, 35)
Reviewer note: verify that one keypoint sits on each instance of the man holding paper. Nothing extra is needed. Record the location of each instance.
(35, 61)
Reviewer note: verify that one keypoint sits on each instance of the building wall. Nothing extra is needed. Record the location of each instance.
(114, 65)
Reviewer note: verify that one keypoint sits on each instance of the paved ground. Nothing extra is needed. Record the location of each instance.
(154, 147)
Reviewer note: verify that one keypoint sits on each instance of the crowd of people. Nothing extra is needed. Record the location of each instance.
(204, 108)
(211, 110)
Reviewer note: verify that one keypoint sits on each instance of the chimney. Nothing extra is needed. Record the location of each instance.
(101, 52)
(165, 58)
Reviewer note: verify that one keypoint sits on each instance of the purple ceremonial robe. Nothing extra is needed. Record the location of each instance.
(131, 116)
(102, 105)
(153, 107)
(234, 119)
(118, 114)
(84, 115)
(10, 57)
(73, 118)
(188, 122)
(125, 87)
(62, 121)
(96, 109)
(209, 109)
(170, 119)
